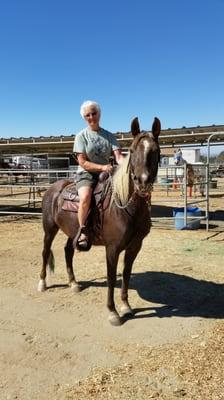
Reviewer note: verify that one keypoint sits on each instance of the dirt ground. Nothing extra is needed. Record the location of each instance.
(60, 345)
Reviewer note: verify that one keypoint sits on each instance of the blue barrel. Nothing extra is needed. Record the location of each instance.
(192, 212)
(166, 181)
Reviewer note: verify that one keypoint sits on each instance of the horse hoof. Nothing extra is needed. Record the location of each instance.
(114, 319)
(76, 288)
(41, 286)
(126, 312)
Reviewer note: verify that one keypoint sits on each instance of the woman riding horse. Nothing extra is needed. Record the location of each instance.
(93, 147)
(120, 223)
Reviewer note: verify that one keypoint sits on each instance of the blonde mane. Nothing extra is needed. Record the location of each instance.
(121, 181)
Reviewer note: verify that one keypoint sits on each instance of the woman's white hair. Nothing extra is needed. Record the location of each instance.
(87, 104)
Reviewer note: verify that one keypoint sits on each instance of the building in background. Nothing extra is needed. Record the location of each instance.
(192, 156)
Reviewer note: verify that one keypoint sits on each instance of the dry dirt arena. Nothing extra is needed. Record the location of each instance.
(59, 345)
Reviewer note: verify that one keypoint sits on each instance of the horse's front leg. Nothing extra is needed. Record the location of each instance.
(69, 253)
(129, 257)
(112, 255)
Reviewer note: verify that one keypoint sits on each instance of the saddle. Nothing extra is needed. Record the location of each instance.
(70, 197)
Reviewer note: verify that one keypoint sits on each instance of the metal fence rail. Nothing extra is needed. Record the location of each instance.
(172, 190)
(21, 191)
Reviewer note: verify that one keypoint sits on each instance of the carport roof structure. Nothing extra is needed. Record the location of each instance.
(193, 136)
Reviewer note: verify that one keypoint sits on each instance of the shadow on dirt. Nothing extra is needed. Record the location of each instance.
(178, 295)
(217, 215)
(158, 211)
(167, 212)
(216, 218)
(174, 295)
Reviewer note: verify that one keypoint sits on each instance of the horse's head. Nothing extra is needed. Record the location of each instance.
(145, 156)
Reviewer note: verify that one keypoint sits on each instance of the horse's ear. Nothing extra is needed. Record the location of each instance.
(156, 127)
(135, 128)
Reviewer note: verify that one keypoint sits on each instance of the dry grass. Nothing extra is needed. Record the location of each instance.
(193, 370)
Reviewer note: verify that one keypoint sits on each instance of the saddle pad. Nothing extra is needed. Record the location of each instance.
(69, 205)
(70, 193)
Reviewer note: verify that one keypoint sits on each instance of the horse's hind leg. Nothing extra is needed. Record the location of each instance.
(129, 257)
(46, 254)
(69, 253)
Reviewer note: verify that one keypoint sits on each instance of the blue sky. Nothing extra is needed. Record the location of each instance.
(141, 58)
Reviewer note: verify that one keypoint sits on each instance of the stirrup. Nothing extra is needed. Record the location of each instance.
(83, 240)
(83, 244)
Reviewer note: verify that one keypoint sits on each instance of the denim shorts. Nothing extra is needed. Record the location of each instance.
(85, 178)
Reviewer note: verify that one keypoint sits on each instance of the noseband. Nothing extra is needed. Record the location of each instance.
(143, 192)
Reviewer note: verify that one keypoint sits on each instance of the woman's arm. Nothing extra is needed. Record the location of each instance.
(90, 166)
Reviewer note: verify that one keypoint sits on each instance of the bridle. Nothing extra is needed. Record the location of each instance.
(145, 194)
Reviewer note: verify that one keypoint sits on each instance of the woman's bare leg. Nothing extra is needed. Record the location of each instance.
(85, 193)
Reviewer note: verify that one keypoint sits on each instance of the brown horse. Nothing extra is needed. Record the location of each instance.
(124, 220)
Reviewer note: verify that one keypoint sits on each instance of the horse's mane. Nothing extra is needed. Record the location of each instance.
(121, 181)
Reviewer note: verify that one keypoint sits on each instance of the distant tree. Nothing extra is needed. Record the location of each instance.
(220, 157)
(212, 159)
(203, 158)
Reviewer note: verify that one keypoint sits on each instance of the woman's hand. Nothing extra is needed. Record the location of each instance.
(107, 168)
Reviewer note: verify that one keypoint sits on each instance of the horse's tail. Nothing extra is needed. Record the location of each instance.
(51, 262)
